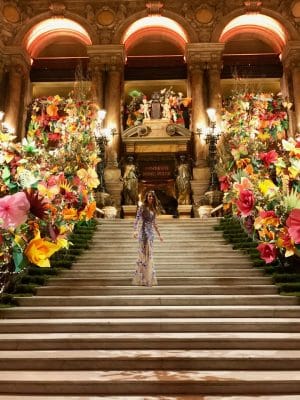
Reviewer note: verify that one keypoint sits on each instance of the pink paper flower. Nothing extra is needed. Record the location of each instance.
(293, 223)
(267, 252)
(245, 202)
(13, 210)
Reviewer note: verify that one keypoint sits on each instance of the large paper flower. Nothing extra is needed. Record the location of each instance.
(267, 252)
(245, 202)
(89, 177)
(13, 210)
(40, 250)
(293, 224)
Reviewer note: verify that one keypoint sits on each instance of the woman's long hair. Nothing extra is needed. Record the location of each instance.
(155, 206)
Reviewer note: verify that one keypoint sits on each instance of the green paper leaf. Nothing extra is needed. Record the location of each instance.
(18, 258)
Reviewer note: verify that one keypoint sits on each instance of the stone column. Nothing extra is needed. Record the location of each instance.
(291, 63)
(202, 57)
(17, 89)
(113, 108)
(97, 72)
(215, 91)
(196, 73)
(2, 86)
(110, 60)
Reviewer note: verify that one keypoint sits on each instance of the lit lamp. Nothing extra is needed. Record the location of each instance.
(212, 135)
(103, 136)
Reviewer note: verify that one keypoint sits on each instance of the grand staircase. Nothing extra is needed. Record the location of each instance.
(213, 329)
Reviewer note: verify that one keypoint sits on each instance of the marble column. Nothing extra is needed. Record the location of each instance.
(291, 63)
(97, 76)
(202, 60)
(113, 109)
(215, 91)
(107, 66)
(196, 74)
(15, 102)
(2, 84)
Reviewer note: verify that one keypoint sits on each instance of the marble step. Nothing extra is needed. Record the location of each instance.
(158, 382)
(136, 290)
(154, 300)
(179, 397)
(219, 311)
(192, 242)
(165, 253)
(179, 265)
(150, 340)
(164, 281)
(163, 273)
(126, 360)
(149, 325)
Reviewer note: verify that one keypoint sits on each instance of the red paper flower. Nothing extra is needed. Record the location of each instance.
(224, 183)
(293, 223)
(267, 252)
(268, 158)
(245, 202)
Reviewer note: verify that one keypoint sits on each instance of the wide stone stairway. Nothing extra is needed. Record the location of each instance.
(215, 327)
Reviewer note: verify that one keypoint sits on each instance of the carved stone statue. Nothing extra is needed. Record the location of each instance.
(183, 184)
(130, 182)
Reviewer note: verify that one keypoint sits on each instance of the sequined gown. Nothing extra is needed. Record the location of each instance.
(144, 274)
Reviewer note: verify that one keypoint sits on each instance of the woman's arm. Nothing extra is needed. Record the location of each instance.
(157, 230)
(137, 221)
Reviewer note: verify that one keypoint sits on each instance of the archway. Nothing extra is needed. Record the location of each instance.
(252, 54)
(57, 46)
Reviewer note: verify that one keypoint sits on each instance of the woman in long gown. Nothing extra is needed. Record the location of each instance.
(144, 226)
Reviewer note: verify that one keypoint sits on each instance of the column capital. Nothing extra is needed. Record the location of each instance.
(18, 58)
(204, 53)
(109, 56)
(291, 54)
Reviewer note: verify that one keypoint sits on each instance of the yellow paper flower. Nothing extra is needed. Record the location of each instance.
(89, 177)
(40, 250)
(263, 136)
(267, 187)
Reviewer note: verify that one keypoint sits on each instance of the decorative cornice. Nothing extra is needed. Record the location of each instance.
(111, 55)
(291, 55)
(199, 53)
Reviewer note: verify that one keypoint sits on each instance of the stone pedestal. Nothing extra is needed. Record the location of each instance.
(129, 212)
(185, 211)
(200, 183)
(114, 186)
(204, 212)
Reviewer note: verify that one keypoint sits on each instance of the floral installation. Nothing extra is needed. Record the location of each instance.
(173, 106)
(259, 172)
(47, 181)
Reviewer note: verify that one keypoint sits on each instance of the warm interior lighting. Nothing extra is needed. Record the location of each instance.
(101, 114)
(211, 112)
(154, 24)
(46, 31)
(262, 25)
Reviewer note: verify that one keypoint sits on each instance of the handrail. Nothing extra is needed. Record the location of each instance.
(219, 207)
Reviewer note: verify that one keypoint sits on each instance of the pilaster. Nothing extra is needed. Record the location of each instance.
(291, 63)
(18, 84)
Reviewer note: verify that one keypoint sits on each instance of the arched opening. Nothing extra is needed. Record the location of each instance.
(57, 46)
(253, 46)
(152, 44)
(155, 79)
